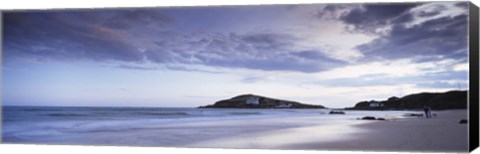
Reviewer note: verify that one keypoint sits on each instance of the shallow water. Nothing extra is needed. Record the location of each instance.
(179, 127)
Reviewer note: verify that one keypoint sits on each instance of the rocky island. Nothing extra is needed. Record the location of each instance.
(436, 101)
(255, 101)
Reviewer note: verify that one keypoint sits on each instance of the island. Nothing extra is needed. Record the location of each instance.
(436, 101)
(256, 101)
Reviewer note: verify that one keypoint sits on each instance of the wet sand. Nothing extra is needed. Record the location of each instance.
(442, 133)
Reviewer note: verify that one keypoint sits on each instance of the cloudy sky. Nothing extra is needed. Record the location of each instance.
(330, 54)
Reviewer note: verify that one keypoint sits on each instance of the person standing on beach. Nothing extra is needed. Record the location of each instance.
(428, 111)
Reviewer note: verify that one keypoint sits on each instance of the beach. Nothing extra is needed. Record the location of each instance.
(289, 129)
(442, 133)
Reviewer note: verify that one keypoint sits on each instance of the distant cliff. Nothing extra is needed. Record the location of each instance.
(255, 101)
(436, 101)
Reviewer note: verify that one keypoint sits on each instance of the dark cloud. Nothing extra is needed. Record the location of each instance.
(130, 18)
(137, 36)
(386, 11)
(318, 56)
(160, 56)
(404, 18)
(311, 54)
(432, 11)
(428, 14)
(445, 37)
(260, 51)
(269, 41)
(281, 63)
(70, 35)
(331, 11)
(431, 40)
(371, 16)
(463, 5)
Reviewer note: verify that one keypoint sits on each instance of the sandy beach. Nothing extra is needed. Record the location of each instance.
(442, 133)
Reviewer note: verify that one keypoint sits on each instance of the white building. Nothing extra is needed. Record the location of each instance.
(252, 100)
(376, 104)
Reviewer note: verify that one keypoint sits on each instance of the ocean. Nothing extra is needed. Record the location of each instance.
(179, 127)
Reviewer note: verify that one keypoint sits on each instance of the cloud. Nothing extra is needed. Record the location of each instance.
(334, 11)
(132, 67)
(130, 18)
(269, 41)
(463, 5)
(65, 35)
(444, 79)
(369, 17)
(257, 51)
(190, 69)
(139, 36)
(404, 18)
(251, 79)
(421, 31)
(443, 37)
(428, 14)
(447, 75)
(396, 73)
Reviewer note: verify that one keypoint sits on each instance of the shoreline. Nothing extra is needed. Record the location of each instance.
(442, 133)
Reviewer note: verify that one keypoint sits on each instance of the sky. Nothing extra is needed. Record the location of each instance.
(329, 54)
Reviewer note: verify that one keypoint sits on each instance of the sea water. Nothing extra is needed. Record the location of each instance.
(179, 127)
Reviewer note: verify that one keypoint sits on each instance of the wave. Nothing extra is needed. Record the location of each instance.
(66, 115)
(37, 109)
(245, 113)
(163, 114)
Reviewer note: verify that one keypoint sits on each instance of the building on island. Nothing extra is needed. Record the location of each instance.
(252, 100)
(376, 104)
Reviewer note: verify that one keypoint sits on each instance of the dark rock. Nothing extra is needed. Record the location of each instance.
(463, 121)
(336, 112)
(371, 118)
(413, 115)
(368, 118)
(255, 101)
(383, 119)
